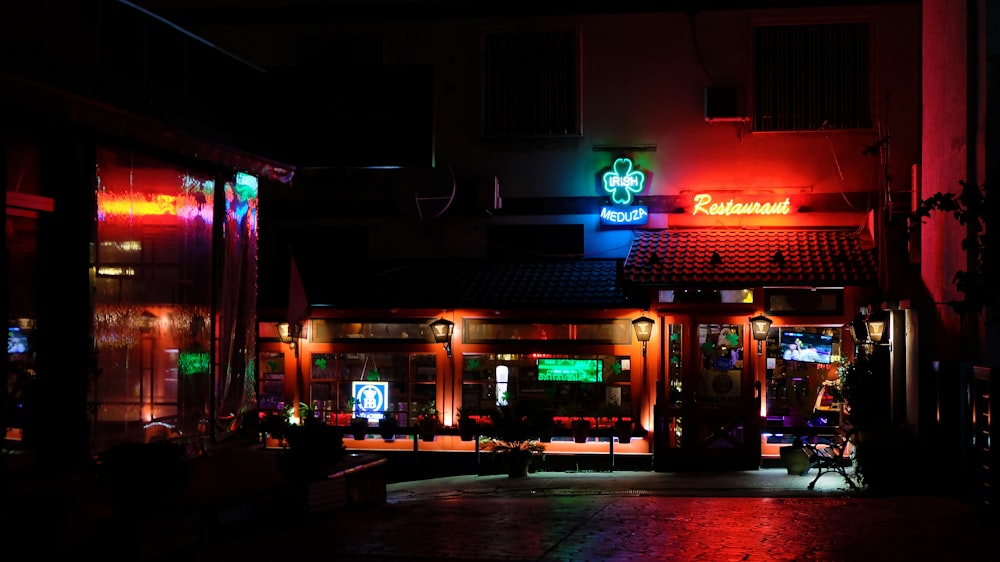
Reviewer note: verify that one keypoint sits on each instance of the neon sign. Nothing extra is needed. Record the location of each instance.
(624, 215)
(570, 370)
(703, 205)
(622, 182)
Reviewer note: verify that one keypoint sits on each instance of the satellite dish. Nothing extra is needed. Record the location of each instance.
(425, 193)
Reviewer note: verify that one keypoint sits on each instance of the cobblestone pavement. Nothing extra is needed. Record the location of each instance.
(619, 518)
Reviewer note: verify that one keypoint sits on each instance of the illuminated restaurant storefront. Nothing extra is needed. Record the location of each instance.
(703, 393)
(573, 356)
(726, 398)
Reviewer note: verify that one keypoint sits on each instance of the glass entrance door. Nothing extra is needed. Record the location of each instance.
(708, 407)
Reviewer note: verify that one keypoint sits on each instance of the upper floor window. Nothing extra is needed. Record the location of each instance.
(531, 85)
(812, 77)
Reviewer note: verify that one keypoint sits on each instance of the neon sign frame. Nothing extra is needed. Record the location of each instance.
(622, 183)
(703, 205)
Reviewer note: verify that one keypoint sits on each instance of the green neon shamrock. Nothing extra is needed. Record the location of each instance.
(622, 182)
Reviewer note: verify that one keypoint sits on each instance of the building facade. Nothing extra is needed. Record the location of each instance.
(542, 180)
(726, 163)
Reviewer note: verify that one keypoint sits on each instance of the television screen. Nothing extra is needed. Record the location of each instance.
(569, 370)
(17, 341)
(799, 345)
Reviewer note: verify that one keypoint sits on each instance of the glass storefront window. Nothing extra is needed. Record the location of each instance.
(802, 375)
(675, 364)
(153, 295)
(576, 385)
(156, 316)
(328, 331)
(412, 379)
(721, 347)
(611, 331)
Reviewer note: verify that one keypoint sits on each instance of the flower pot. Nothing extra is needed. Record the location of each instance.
(359, 427)
(795, 459)
(518, 463)
(623, 430)
(468, 428)
(427, 428)
(581, 429)
(387, 428)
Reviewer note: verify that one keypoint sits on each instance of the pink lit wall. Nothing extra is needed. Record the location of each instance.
(951, 152)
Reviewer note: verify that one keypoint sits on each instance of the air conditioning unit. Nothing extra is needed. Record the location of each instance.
(722, 104)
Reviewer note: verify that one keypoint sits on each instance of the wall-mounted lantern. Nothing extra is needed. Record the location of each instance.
(443, 330)
(859, 330)
(643, 327)
(876, 327)
(290, 334)
(759, 326)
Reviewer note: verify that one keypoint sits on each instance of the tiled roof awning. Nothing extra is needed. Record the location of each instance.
(475, 284)
(742, 258)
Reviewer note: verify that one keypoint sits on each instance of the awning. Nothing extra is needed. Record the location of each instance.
(751, 258)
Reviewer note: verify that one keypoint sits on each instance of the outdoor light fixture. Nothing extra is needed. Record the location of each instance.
(290, 334)
(876, 328)
(859, 330)
(760, 325)
(443, 330)
(643, 330)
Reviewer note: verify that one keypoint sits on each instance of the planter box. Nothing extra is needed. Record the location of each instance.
(358, 480)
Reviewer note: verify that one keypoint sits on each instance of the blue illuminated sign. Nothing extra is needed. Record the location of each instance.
(624, 216)
(370, 398)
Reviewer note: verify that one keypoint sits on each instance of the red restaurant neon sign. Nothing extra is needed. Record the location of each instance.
(703, 205)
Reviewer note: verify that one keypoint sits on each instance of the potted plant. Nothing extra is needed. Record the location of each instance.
(272, 428)
(313, 449)
(517, 455)
(794, 457)
(428, 420)
(359, 423)
(298, 415)
(389, 423)
(468, 422)
(616, 414)
(511, 440)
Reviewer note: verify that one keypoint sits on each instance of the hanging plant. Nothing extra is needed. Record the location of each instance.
(969, 209)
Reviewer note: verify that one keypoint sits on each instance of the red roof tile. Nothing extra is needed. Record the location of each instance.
(740, 258)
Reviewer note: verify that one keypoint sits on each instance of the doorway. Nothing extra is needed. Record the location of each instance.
(708, 405)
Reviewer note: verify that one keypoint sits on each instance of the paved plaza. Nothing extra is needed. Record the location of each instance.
(755, 515)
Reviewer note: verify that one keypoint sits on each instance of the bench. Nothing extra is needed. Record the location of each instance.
(832, 453)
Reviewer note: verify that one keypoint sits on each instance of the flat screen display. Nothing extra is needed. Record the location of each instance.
(799, 345)
(17, 341)
(569, 370)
